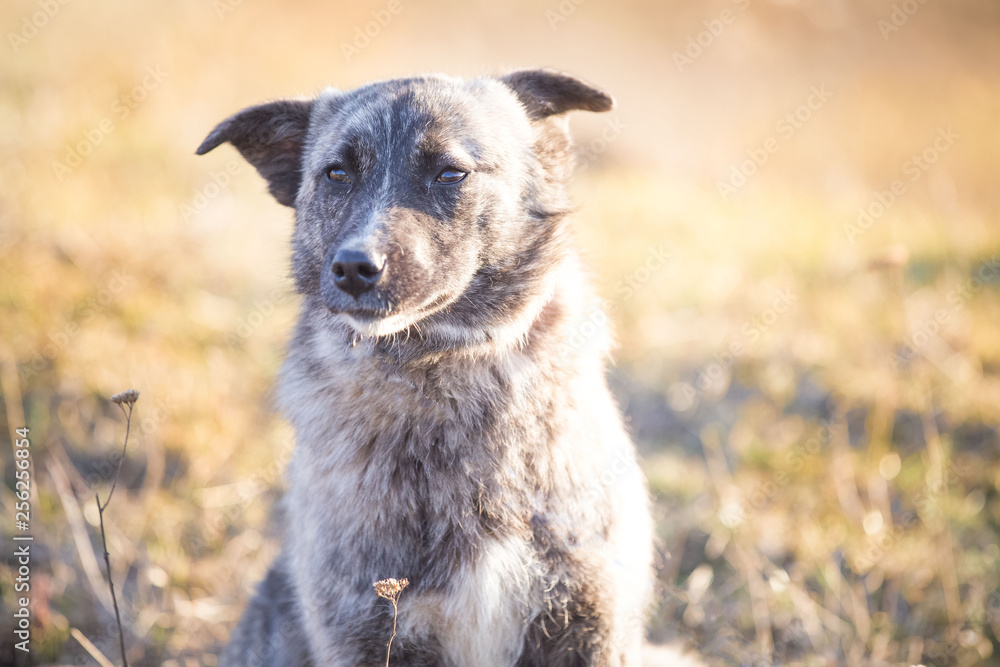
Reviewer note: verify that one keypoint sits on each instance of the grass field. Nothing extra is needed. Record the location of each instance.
(795, 224)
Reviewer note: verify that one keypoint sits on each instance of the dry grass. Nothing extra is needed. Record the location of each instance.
(830, 494)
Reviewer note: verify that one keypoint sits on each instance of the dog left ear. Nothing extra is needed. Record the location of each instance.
(546, 92)
(271, 137)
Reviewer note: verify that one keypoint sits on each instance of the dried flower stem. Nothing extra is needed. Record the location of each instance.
(388, 648)
(390, 590)
(128, 428)
(125, 398)
(111, 585)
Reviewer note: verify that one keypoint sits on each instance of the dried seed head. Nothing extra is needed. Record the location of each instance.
(390, 588)
(127, 397)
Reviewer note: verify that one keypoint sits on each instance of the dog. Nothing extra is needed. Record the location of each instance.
(446, 382)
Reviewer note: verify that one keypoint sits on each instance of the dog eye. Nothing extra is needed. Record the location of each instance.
(337, 175)
(450, 175)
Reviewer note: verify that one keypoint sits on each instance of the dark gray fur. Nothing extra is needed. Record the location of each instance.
(447, 429)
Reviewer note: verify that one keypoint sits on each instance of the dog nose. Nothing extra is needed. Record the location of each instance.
(355, 272)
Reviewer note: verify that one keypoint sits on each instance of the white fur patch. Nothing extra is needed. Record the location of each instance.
(482, 620)
(384, 326)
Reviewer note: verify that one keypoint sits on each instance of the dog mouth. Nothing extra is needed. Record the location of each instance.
(385, 321)
(363, 314)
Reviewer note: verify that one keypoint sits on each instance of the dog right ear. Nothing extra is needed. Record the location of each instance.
(271, 137)
(547, 92)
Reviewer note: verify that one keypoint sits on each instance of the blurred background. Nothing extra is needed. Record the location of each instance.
(793, 215)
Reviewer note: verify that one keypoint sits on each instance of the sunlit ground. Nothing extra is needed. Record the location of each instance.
(814, 390)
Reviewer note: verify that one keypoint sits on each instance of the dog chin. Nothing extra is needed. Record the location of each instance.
(373, 327)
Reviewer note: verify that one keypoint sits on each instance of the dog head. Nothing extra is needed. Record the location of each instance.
(431, 204)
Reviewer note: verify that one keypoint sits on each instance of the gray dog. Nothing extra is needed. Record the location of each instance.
(446, 383)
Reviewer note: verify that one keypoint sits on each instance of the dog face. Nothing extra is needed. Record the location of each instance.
(428, 204)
